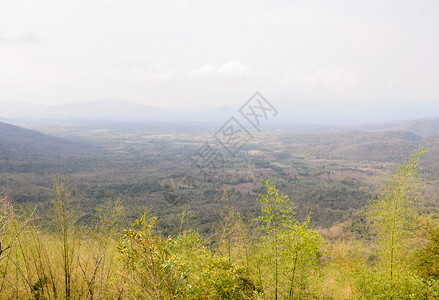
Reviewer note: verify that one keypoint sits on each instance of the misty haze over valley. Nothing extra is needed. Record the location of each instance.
(219, 149)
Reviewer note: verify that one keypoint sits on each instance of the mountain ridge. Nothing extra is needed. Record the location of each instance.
(20, 143)
(108, 109)
(292, 110)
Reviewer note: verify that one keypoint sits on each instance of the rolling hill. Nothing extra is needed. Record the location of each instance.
(356, 144)
(24, 150)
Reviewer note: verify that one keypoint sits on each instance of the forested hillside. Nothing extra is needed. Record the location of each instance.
(25, 144)
(329, 174)
(318, 226)
(390, 254)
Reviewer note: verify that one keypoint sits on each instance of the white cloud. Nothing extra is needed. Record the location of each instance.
(230, 70)
(234, 69)
(202, 72)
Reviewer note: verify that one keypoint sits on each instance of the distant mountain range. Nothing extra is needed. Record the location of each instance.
(107, 109)
(22, 146)
(296, 111)
(356, 111)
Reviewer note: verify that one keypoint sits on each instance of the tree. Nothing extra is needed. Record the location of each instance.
(392, 214)
(301, 255)
(65, 217)
(277, 217)
(294, 246)
(150, 262)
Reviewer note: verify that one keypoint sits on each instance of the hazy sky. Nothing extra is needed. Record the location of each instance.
(197, 52)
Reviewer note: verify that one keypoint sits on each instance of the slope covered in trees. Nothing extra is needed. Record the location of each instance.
(329, 174)
(270, 256)
(20, 143)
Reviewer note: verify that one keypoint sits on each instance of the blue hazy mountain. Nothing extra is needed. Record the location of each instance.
(292, 110)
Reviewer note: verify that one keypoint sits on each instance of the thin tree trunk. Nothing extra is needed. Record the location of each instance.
(294, 275)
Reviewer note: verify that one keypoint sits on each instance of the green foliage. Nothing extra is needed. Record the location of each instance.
(392, 215)
(181, 268)
(289, 250)
(392, 212)
(428, 254)
(301, 253)
(151, 264)
(221, 279)
(277, 210)
(375, 284)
